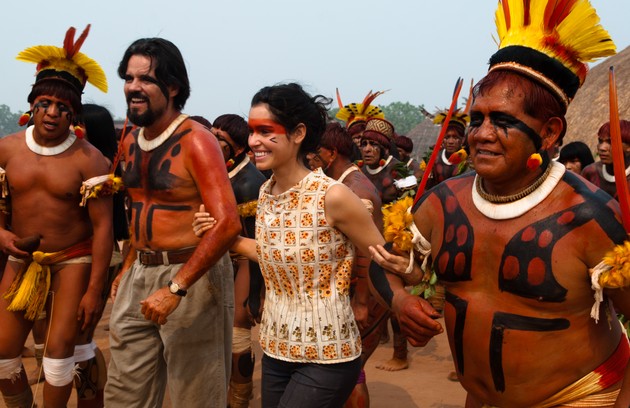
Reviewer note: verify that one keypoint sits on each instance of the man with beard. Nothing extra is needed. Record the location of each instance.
(601, 173)
(173, 300)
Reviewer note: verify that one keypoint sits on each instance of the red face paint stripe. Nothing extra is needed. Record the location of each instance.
(266, 126)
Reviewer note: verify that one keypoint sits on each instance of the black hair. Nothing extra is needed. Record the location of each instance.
(202, 120)
(100, 131)
(167, 60)
(291, 105)
(538, 102)
(235, 126)
(576, 150)
(59, 88)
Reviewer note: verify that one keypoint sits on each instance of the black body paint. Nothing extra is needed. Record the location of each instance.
(503, 321)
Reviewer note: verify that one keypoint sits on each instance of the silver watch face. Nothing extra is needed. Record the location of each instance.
(174, 288)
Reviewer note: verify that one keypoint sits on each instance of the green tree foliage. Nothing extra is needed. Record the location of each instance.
(403, 115)
(8, 121)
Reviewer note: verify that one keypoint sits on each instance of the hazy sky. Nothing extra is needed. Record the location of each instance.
(414, 48)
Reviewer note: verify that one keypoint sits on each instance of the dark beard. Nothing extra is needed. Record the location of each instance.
(146, 119)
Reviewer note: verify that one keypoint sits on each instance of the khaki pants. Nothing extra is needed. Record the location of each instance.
(191, 353)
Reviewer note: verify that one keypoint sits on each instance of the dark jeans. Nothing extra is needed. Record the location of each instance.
(307, 385)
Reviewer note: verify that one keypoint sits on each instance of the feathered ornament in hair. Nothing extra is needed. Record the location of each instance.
(67, 59)
(363, 111)
(566, 31)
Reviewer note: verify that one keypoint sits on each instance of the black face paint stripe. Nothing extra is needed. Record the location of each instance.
(230, 148)
(505, 121)
(503, 321)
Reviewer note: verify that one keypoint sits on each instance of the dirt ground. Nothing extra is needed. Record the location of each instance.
(423, 385)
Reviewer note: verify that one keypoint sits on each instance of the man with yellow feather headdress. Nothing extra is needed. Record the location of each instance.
(515, 244)
(59, 243)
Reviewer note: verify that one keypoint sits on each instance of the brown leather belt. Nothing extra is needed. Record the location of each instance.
(154, 258)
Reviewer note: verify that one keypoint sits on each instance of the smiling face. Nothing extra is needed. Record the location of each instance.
(52, 118)
(268, 139)
(500, 138)
(146, 101)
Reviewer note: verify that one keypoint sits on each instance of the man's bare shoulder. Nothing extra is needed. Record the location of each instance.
(8, 145)
(361, 186)
(89, 159)
(196, 130)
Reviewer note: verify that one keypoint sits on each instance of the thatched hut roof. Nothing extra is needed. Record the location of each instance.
(423, 136)
(590, 108)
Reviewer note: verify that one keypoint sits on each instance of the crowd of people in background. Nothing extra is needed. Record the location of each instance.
(315, 229)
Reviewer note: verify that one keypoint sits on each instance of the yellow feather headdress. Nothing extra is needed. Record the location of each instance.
(66, 62)
(550, 41)
(359, 112)
(458, 117)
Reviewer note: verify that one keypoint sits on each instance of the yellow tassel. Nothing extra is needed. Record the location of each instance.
(32, 289)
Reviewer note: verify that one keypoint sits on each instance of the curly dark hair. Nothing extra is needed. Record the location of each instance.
(291, 105)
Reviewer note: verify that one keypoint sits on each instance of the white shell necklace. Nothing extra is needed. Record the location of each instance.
(379, 168)
(445, 159)
(45, 150)
(506, 211)
(611, 177)
(148, 145)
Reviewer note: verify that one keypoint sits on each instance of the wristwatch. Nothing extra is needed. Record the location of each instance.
(175, 289)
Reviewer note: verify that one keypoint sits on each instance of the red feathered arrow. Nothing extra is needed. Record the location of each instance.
(619, 164)
(438, 142)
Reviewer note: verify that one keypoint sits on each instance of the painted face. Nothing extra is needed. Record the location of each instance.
(327, 157)
(52, 118)
(268, 139)
(500, 138)
(371, 152)
(146, 101)
(574, 165)
(402, 153)
(229, 148)
(314, 161)
(604, 149)
(452, 141)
